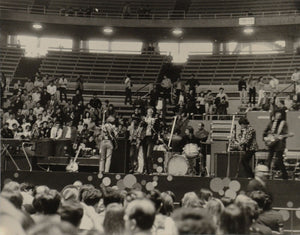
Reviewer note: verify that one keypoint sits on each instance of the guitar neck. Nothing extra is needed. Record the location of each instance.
(77, 153)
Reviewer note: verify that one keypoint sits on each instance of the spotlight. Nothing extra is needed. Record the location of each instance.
(177, 32)
(108, 30)
(248, 30)
(37, 26)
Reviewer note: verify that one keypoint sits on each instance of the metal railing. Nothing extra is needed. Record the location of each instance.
(168, 14)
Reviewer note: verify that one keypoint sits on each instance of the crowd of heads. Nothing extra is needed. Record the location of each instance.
(84, 209)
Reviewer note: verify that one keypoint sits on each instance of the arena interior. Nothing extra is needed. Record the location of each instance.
(150, 117)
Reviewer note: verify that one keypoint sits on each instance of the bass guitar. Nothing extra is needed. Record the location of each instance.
(271, 139)
(73, 164)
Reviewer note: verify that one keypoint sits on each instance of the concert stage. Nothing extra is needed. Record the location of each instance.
(286, 192)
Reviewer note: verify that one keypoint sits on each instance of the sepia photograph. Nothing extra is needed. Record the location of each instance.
(150, 117)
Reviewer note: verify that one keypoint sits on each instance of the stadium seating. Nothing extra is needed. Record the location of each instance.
(114, 7)
(207, 7)
(227, 69)
(9, 59)
(103, 67)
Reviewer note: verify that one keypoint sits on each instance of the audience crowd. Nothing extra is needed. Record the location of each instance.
(84, 209)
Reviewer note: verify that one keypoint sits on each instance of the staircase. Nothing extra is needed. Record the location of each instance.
(28, 67)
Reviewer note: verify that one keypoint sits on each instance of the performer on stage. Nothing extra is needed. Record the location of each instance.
(190, 138)
(277, 128)
(135, 136)
(150, 129)
(247, 142)
(202, 135)
(107, 144)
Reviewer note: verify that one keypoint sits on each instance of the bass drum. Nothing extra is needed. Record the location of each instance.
(191, 150)
(178, 165)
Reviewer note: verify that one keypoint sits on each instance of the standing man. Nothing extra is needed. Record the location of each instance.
(296, 80)
(107, 144)
(128, 86)
(166, 85)
(242, 87)
(63, 83)
(148, 141)
(277, 128)
(247, 141)
(202, 135)
(274, 82)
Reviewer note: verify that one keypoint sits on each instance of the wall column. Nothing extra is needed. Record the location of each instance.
(216, 48)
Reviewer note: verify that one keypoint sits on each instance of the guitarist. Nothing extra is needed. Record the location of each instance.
(107, 145)
(277, 127)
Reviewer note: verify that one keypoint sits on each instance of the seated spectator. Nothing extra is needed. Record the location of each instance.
(193, 221)
(38, 83)
(56, 131)
(38, 109)
(191, 200)
(11, 121)
(233, 221)
(268, 217)
(139, 217)
(71, 211)
(48, 203)
(30, 104)
(51, 88)
(113, 221)
(77, 98)
(29, 85)
(36, 95)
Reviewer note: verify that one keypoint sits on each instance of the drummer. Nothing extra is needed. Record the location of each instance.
(190, 138)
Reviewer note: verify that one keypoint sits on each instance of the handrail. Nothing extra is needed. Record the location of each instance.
(168, 14)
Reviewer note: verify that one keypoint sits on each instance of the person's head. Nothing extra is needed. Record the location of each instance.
(263, 200)
(155, 197)
(91, 197)
(215, 207)
(296, 70)
(262, 172)
(205, 194)
(189, 130)
(139, 216)
(71, 211)
(15, 197)
(114, 219)
(278, 115)
(49, 201)
(201, 126)
(11, 186)
(40, 116)
(191, 200)
(193, 221)
(221, 90)
(38, 104)
(249, 208)
(243, 122)
(167, 204)
(233, 221)
(150, 112)
(111, 195)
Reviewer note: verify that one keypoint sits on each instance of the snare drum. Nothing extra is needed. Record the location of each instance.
(178, 165)
(191, 150)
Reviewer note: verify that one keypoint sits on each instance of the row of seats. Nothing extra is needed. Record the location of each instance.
(159, 7)
(237, 6)
(103, 67)
(228, 69)
(9, 59)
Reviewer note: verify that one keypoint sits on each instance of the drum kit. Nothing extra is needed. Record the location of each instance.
(179, 164)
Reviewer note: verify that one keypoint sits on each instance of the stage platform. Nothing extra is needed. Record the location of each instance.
(286, 192)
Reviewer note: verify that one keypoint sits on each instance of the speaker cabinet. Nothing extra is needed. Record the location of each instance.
(119, 161)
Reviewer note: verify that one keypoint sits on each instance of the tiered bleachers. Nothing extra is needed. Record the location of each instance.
(9, 59)
(114, 7)
(103, 67)
(237, 6)
(227, 69)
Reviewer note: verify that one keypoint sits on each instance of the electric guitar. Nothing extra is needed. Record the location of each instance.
(73, 164)
(271, 139)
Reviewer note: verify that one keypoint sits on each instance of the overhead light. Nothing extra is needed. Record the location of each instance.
(37, 26)
(177, 32)
(108, 30)
(248, 30)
